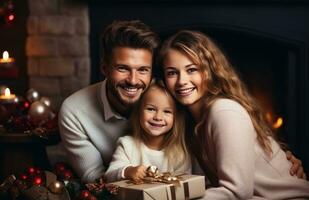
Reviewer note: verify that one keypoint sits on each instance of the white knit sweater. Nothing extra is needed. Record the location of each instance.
(128, 153)
(89, 131)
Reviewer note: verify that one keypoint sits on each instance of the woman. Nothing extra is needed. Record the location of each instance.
(231, 141)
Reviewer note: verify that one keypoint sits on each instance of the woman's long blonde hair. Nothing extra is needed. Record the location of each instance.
(174, 145)
(220, 78)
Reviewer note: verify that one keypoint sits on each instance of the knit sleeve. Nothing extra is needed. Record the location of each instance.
(232, 136)
(121, 159)
(83, 156)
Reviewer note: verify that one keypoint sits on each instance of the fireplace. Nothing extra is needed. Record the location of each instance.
(267, 42)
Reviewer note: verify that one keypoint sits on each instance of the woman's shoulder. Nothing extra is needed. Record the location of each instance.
(227, 106)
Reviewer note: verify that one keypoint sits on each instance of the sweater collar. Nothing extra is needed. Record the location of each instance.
(108, 110)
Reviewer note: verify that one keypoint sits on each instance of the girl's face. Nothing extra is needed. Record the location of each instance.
(183, 78)
(157, 113)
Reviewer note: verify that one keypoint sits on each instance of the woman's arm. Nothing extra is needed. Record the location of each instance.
(232, 137)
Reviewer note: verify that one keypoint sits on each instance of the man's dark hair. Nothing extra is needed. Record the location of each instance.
(133, 34)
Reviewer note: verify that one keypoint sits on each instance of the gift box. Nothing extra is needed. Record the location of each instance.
(189, 187)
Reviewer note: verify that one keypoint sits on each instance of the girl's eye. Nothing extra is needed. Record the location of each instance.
(150, 109)
(168, 111)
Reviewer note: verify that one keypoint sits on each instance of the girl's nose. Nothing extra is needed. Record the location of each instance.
(158, 116)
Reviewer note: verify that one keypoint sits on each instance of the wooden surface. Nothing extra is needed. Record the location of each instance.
(18, 151)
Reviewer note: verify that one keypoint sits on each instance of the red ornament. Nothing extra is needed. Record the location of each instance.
(31, 170)
(67, 174)
(37, 180)
(85, 193)
(26, 104)
(59, 168)
(23, 177)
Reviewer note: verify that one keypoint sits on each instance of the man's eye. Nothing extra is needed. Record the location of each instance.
(144, 70)
(121, 68)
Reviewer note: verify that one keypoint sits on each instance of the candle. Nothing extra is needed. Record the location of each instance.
(6, 61)
(7, 97)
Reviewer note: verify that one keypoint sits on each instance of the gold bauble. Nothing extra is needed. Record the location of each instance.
(46, 101)
(38, 111)
(56, 187)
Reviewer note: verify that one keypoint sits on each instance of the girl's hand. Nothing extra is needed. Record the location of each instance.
(297, 168)
(135, 173)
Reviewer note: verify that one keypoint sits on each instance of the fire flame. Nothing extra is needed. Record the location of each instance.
(275, 123)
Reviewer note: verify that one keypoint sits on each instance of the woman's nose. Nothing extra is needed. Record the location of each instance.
(182, 78)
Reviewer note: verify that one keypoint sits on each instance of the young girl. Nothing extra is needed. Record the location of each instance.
(231, 140)
(158, 139)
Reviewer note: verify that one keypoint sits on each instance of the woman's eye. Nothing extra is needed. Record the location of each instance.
(170, 73)
(191, 70)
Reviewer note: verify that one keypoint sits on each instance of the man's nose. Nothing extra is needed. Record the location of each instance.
(132, 79)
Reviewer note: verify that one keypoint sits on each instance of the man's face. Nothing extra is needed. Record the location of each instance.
(129, 74)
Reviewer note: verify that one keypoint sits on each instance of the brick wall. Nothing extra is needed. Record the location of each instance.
(57, 47)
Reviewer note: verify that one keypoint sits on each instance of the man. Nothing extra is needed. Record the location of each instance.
(92, 119)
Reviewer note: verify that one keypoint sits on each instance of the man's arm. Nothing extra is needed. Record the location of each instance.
(83, 156)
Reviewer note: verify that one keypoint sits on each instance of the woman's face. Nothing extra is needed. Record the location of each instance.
(183, 78)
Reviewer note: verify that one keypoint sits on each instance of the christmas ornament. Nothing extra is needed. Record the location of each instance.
(46, 101)
(37, 180)
(67, 174)
(38, 112)
(33, 95)
(56, 187)
(19, 123)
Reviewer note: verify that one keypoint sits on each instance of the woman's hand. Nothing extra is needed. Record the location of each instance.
(297, 168)
(135, 173)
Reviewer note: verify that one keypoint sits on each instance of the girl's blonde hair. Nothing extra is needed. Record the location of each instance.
(174, 146)
(221, 81)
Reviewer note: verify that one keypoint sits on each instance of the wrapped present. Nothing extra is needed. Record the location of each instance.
(188, 187)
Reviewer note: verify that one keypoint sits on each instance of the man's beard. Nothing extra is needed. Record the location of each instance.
(124, 100)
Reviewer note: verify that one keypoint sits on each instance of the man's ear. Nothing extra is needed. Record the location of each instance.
(104, 69)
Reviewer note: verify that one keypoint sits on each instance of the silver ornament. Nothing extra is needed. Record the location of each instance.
(33, 95)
